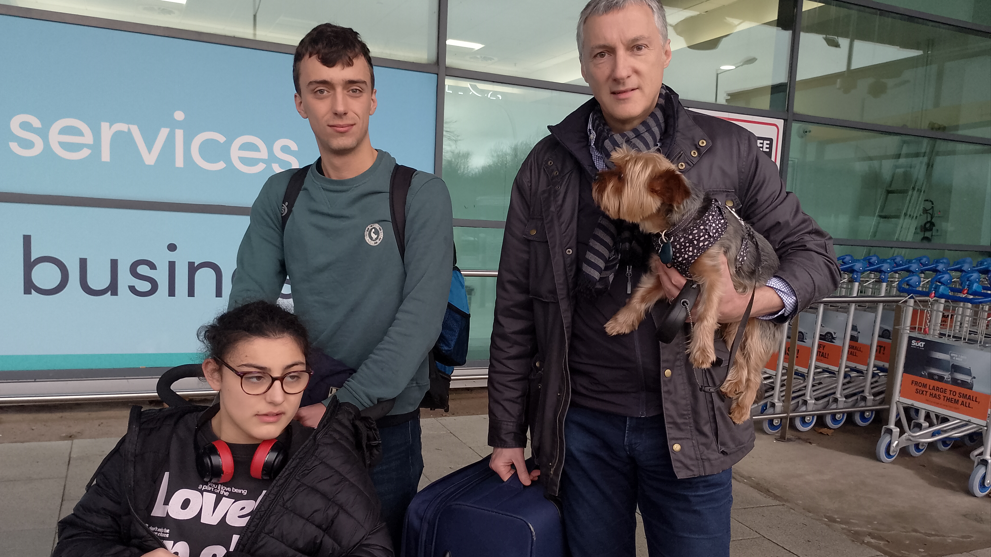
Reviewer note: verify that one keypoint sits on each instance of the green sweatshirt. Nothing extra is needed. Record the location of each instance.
(360, 303)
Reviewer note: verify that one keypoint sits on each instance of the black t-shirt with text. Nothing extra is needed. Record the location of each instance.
(194, 518)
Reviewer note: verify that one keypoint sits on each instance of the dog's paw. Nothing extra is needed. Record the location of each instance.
(619, 326)
(732, 387)
(702, 356)
(739, 412)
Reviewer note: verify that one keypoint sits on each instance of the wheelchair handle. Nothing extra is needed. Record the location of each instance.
(164, 385)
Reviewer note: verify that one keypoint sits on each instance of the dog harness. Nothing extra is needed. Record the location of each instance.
(685, 242)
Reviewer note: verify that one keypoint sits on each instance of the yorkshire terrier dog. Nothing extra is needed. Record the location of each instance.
(647, 189)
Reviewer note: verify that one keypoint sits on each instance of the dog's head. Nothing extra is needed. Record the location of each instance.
(640, 185)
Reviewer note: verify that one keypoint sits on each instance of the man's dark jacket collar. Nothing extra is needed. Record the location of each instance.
(681, 136)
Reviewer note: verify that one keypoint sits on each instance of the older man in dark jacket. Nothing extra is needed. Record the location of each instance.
(620, 423)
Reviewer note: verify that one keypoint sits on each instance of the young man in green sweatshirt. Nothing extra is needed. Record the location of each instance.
(362, 303)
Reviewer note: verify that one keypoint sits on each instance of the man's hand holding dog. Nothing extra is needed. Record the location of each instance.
(733, 304)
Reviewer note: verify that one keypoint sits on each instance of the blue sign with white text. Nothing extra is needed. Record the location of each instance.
(114, 115)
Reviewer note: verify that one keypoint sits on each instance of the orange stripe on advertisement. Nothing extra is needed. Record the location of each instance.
(946, 397)
(858, 354)
(829, 354)
(801, 360)
(882, 352)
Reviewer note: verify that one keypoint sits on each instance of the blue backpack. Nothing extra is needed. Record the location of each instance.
(451, 348)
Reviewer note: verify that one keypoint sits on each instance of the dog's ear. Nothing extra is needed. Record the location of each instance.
(602, 181)
(670, 186)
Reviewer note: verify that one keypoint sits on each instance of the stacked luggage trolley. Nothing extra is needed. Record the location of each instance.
(910, 336)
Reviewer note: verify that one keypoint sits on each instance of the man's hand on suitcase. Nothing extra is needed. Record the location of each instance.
(503, 461)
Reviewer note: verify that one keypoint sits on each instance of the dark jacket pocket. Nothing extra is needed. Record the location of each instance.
(729, 435)
(541, 274)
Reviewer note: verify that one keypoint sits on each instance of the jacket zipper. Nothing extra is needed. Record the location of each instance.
(636, 348)
(261, 511)
(144, 526)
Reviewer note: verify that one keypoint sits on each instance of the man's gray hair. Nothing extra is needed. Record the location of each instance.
(602, 7)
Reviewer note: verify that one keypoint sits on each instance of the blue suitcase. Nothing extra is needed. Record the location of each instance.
(473, 513)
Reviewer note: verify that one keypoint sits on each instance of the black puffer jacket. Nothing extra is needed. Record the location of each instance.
(323, 502)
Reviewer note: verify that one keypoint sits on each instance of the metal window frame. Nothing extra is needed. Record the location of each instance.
(851, 242)
(915, 14)
(441, 70)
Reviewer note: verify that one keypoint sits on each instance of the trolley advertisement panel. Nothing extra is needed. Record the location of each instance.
(948, 378)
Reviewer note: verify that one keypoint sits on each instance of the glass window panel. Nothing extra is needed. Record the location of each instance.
(871, 186)
(479, 249)
(974, 11)
(864, 65)
(731, 53)
(397, 29)
(537, 45)
(481, 301)
(488, 130)
(704, 34)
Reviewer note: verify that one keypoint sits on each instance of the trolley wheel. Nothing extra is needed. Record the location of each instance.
(834, 421)
(863, 418)
(804, 423)
(944, 444)
(977, 486)
(883, 449)
(772, 427)
(972, 439)
(916, 449)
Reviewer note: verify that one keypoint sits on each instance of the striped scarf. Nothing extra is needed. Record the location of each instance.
(615, 241)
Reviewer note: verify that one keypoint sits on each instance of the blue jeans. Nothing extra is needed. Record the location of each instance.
(614, 464)
(396, 477)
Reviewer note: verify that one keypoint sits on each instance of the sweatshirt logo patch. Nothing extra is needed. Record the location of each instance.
(373, 234)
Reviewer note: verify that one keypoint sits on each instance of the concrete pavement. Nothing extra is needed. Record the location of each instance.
(801, 499)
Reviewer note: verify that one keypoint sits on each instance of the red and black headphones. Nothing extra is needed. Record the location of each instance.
(215, 463)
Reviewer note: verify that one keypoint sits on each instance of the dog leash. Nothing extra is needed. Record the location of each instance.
(746, 314)
(705, 387)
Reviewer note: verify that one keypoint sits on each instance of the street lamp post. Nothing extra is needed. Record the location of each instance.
(728, 68)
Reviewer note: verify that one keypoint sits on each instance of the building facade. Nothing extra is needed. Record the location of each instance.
(138, 134)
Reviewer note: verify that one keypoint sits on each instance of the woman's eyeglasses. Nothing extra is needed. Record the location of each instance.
(258, 383)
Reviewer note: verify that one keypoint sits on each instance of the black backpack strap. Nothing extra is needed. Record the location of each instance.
(402, 179)
(292, 192)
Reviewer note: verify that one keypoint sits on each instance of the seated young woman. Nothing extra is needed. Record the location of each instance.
(240, 477)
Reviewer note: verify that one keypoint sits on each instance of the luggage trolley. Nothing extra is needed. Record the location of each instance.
(810, 393)
(942, 384)
(829, 343)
